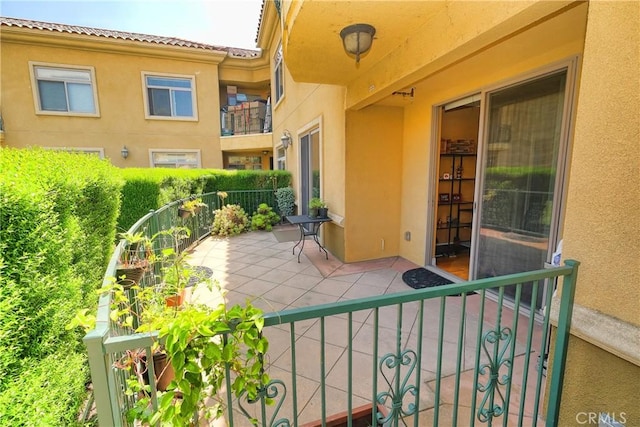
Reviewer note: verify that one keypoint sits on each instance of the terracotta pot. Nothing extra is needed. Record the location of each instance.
(175, 300)
(361, 417)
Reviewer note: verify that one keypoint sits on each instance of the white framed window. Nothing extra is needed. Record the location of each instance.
(278, 75)
(174, 159)
(169, 96)
(96, 151)
(64, 89)
(281, 158)
(245, 162)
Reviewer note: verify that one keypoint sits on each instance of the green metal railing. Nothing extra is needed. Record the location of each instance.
(462, 345)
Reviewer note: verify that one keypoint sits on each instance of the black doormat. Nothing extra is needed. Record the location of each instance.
(419, 278)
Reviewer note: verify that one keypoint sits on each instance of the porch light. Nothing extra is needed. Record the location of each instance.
(357, 39)
(124, 152)
(286, 139)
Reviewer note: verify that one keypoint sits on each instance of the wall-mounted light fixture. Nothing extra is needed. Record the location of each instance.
(357, 39)
(286, 139)
(265, 152)
(124, 152)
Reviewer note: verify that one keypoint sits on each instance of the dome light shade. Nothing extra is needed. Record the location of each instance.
(357, 39)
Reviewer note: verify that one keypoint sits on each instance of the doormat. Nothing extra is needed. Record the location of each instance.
(420, 278)
(287, 235)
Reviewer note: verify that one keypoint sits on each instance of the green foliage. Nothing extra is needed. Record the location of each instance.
(58, 213)
(264, 218)
(49, 392)
(149, 189)
(199, 355)
(286, 199)
(229, 221)
(316, 203)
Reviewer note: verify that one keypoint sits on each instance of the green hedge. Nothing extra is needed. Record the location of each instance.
(57, 226)
(148, 189)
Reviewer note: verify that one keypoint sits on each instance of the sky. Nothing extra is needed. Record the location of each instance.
(230, 23)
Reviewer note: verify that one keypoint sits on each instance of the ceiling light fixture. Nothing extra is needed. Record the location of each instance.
(357, 39)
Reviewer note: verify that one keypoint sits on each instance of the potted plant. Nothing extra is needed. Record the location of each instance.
(285, 198)
(176, 272)
(314, 205)
(196, 347)
(134, 258)
(264, 218)
(191, 207)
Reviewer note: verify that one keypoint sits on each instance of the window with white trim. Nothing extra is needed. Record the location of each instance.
(281, 158)
(170, 96)
(175, 159)
(278, 75)
(64, 89)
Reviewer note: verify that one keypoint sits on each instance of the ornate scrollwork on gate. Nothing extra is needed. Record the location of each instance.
(495, 352)
(393, 363)
(270, 393)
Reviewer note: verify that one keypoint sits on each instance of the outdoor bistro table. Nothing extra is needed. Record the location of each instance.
(308, 227)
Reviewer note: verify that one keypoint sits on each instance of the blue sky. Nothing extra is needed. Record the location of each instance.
(232, 23)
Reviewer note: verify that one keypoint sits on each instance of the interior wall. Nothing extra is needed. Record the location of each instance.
(556, 39)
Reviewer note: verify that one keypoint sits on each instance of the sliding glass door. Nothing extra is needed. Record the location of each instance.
(520, 191)
(309, 168)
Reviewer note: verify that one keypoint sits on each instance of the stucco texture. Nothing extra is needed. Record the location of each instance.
(602, 227)
(596, 381)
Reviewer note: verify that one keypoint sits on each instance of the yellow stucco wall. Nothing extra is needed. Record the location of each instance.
(118, 66)
(601, 221)
(605, 165)
(373, 181)
(596, 381)
(120, 98)
(558, 38)
(304, 107)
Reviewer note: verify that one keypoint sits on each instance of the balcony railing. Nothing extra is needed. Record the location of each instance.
(246, 118)
(459, 354)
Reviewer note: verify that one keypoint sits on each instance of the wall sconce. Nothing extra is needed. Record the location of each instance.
(124, 152)
(357, 39)
(265, 152)
(286, 139)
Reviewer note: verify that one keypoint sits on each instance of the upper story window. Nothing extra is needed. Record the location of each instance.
(278, 75)
(170, 96)
(64, 89)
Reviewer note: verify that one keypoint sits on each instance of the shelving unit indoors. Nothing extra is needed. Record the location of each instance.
(456, 185)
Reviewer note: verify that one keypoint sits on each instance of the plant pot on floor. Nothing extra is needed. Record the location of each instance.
(360, 417)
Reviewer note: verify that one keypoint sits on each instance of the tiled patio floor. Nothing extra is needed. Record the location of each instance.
(257, 267)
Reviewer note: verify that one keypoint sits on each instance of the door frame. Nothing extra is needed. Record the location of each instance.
(571, 65)
(314, 126)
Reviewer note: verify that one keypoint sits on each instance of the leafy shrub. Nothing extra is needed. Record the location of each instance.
(229, 221)
(286, 200)
(264, 218)
(58, 213)
(49, 392)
